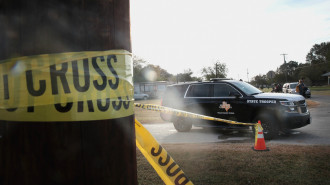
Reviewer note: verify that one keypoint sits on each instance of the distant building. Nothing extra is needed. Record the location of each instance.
(328, 75)
(153, 89)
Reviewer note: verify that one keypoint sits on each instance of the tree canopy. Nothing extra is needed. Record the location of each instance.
(144, 72)
(317, 63)
(138, 65)
(218, 70)
(319, 53)
(186, 76)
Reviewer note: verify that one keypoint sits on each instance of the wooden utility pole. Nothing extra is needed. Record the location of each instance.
(285, 70)
(99, 152)
(284, 57)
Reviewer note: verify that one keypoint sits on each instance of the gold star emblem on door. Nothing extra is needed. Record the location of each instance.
(225, 106)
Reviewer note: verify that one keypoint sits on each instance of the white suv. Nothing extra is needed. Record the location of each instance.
(291, 88)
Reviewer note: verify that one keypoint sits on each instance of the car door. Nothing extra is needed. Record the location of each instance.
(137, 96)
(229, 103)
(286, 88)
(197, 99)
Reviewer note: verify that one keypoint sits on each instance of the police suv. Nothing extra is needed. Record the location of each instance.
(237, 101)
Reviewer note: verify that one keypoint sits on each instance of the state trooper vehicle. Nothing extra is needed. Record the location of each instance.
(237, 101)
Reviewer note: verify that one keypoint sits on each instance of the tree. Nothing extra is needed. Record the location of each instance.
(218, 70)
(270, 75)
(317, 63)
(148, 72)
(138, 65)
(319, 53)
(314, 73)
(260, 81)
(319, 60)
(155, 73)
(280, 78)
(287, 69)
(186, 76)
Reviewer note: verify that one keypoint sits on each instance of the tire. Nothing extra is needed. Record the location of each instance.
(166, 117)
(269, 124)
(145, 98)
(181, 125)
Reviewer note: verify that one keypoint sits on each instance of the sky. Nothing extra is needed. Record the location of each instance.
(248, 36)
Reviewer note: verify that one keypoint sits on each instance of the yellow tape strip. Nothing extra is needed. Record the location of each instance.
(73, 86)
(159, 159)
(186, 114)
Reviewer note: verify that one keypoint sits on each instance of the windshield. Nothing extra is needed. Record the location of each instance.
(247, 88)
(292, 86)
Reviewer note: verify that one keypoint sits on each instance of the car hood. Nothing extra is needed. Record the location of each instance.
(289, 97)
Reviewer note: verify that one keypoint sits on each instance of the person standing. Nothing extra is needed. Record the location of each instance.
(301, 86)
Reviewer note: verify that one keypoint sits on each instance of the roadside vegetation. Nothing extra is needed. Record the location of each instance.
(317, 63)
(320, 90)
(311, 70)
(237, 163)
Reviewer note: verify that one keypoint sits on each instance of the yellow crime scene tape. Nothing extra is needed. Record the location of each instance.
(180, 113)
(79, 86)
(74, 86)
(159, 159)
(148, 145)
(84, 86)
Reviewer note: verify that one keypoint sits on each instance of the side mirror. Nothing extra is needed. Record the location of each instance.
(236, 94)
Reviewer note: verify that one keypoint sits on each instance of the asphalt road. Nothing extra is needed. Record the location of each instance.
(317, 133)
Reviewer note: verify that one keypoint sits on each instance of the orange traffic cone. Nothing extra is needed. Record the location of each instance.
(259, 144)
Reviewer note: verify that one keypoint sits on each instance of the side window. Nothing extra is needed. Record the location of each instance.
(175, 92)
(202, 90)
(223, 90)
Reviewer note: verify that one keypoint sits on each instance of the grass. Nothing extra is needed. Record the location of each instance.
(266, 90)
(320, 90)
(237, 163)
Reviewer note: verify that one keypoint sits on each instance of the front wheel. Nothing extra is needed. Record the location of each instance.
(182, 126)
(269, 124)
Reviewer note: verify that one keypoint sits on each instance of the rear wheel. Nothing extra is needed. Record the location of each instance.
(269, 124)
(181, 125)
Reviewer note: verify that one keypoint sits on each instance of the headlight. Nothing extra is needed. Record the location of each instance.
(291, 107)
(287, 103)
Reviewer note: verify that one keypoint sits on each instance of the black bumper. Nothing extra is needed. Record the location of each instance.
(296, 120)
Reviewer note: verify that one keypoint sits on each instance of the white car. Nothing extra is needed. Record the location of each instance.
(140, 96)
(291, 88)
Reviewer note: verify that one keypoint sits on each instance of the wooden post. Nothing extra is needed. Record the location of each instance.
(85, 152)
